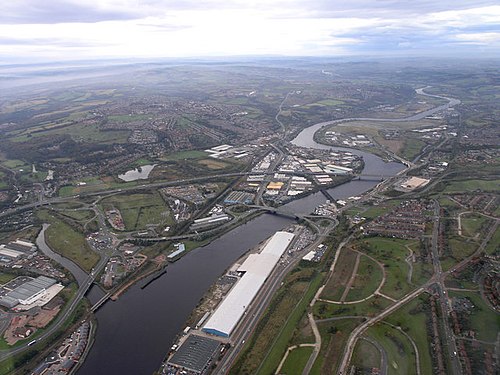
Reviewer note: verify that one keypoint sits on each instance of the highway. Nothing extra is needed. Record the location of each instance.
(443, 299)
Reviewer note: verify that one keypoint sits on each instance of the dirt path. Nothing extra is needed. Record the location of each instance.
(351, 280)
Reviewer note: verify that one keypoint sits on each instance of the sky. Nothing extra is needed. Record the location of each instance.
(55, 30)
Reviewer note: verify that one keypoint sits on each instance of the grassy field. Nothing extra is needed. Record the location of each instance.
(343, 271)
(66, 241)
(400, 354)
(472, 185)
(183, 155)
(483, 320)
(367, 279)
(459, 249)
(6, 277)
(366, 355)
(392, 253)
(472, 224)
(368, 308)
(494, 245)
(412, 320)
(296, 360)
(411, 148)
(94, 184)
(140, 209)
(333, 338)
(282, 341)
(80, 215)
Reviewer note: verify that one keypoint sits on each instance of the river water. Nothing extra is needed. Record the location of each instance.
(135, 332)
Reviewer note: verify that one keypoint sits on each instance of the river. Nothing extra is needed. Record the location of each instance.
(136, 331)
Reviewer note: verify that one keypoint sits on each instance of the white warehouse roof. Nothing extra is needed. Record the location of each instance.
(257, 268)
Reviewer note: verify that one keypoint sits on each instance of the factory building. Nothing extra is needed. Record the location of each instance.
(27, 293)
(256, 269)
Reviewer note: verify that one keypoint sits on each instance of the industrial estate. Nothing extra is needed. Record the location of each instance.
(263, 217)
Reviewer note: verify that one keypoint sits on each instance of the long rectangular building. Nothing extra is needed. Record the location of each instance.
(256, 268)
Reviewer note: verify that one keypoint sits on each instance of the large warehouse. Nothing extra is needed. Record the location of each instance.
(27, 293)
(256, 268)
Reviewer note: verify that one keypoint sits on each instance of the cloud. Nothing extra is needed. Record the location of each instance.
(60, 11)
(156, 28)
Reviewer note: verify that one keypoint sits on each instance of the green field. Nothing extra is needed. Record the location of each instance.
(139, 209)
(183, 155)
(412, 320)
(366, 355)
(411, 148)
(93, 184)
(6, 277)
(493, 245)
(392, 253)
(333, 338)
(282, 341)
(367, 280)
(371, 307)
(66, 241)
(296, 360)
(400, 354)
(472, 185)
(335, 286)
(472, 224)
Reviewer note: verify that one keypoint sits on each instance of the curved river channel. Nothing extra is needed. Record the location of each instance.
(135, 332)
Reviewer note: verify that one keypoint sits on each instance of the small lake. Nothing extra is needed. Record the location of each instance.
(139, 173)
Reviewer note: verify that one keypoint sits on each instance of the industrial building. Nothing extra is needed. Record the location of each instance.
(194, 355)
(256, 269)
(27, 293)
(239, 197)
(15, 250)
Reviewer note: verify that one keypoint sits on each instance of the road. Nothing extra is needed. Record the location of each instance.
(443, 299)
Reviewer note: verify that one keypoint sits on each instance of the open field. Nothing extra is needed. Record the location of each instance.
(472, 185)
(400, 354)
(458, 249)
(411, 148)
(282, 341)
(333, 338)
(182, 155)
(6, 277)
(80, 215)
(296, 360)
(412, 320)
(66, 241)
(140, 209)
(493, 246)
(367, 280)
(371, 307)
(338, 281)
(366, 355)
(472, 224)
(392, 253)
(93, 184)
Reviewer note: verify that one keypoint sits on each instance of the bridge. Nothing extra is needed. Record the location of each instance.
(278, 211)
(100, 302)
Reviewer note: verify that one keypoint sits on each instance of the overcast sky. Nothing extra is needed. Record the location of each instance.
(34, 30)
